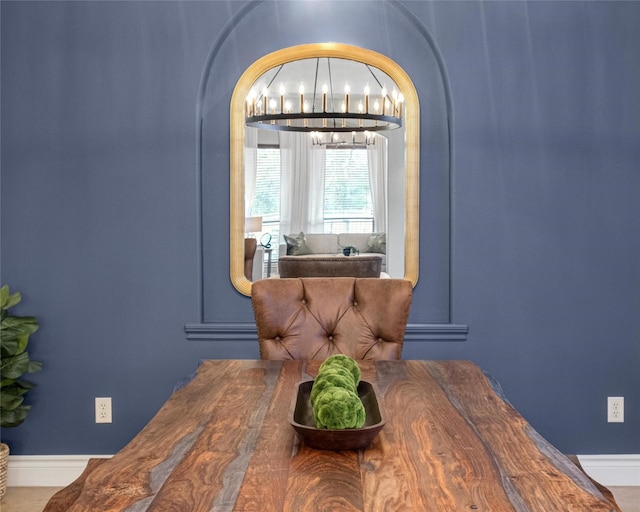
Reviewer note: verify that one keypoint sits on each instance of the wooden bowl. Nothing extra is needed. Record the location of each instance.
(335, 439)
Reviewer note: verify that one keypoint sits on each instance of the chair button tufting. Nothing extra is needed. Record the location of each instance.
(355, 302)
(277, 338)
(330, 338)
(380, 340)
(303, 302)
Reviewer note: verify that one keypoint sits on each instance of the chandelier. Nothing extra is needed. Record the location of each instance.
(322, 109)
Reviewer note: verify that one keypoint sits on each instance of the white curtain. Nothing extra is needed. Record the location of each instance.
(250, 168)
(301, 184)
(377, 160)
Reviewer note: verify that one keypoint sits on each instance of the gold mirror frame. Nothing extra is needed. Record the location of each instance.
(237, 129)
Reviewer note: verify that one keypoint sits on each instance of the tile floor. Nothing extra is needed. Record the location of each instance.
(33, 499)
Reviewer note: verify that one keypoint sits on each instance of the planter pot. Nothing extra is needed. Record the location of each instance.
(4, 461)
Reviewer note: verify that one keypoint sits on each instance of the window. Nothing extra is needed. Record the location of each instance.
(347, 191)
(347, 200)
(266, 203)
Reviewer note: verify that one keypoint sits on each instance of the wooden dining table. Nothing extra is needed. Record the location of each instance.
(224, 442)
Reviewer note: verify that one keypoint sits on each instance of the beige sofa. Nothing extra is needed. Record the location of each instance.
(333, 243)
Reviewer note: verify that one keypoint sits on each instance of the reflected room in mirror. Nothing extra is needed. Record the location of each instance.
(324, 167)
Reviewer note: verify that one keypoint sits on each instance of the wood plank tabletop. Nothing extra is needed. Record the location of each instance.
(224, 442)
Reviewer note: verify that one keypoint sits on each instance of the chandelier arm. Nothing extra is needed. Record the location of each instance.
(376, 79)
(373, 75)
(274, 76)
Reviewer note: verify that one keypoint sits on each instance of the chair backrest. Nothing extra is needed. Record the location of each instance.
(313, 318)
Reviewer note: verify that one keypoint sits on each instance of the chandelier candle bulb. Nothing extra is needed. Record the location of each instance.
(347, 89)
(325, 89)
(366, 99)
(273, 109)
(301, 90)
(264, 101)
(251, 103)
(282, 99)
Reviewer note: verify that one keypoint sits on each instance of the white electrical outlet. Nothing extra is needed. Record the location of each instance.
(615, 409)
(103, 409)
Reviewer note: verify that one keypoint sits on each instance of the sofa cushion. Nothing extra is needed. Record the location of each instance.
(358, 240)
(323, 243)
(377, 243)
(297, 245)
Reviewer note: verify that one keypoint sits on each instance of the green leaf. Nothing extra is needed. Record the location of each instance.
(14, 390)
(9, 347)
(23, 384)
(23, 341)
(8, 300)
(15, 366)
(15, 417)
(34, 366)
(9, 402)
(15, 326)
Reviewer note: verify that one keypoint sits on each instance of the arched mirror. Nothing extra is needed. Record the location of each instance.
(356, 114)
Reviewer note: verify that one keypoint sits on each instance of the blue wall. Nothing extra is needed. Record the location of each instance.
(99, 203)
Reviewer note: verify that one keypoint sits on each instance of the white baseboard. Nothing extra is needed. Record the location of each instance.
(612, 470)
(46, 470)
(61, 470)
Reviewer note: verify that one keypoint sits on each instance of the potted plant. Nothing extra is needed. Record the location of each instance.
(14, 338)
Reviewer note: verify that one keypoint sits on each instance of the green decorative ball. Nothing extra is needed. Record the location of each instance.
(332, 377)
(343, 361)
(338, 408)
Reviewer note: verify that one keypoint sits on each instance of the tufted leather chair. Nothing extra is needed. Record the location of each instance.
(313, 318)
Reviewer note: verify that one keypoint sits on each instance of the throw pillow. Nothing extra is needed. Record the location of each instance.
(297, 245)
(377, 243)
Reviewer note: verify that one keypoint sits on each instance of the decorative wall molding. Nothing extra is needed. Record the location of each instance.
(612, 470)
(46, 470)
(247, 332)
(61, 470)
(436, 332)
(221, 331)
